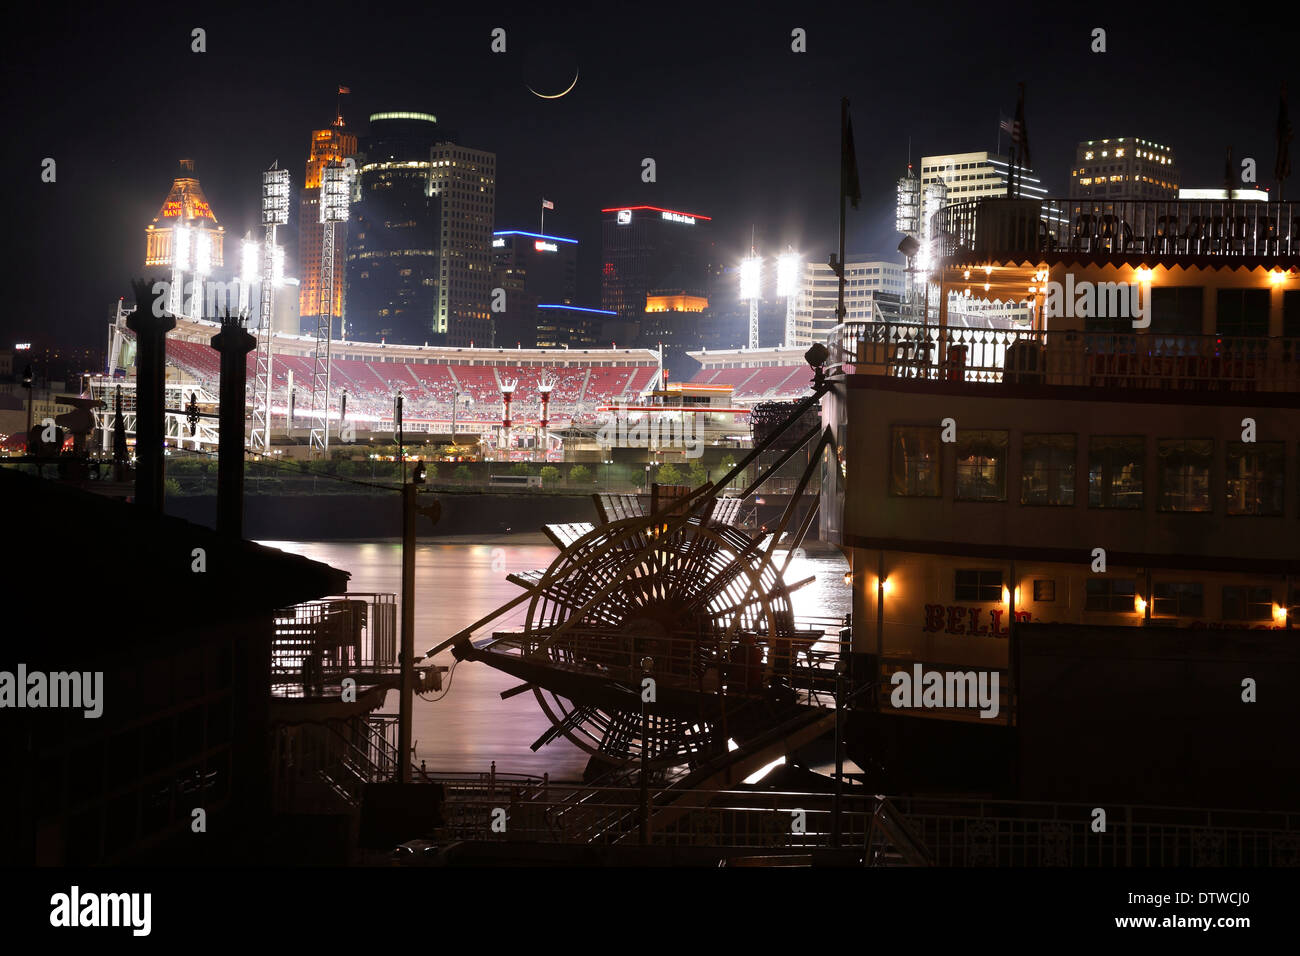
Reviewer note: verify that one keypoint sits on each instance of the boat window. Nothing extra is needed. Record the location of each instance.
(978, 585)
(914, 461)
(1047, 470)
(1110, 594)
(1178, 599)
(1242, 312)
(1247, 603)
(1256, 477)
(981, 458)
(1183, 472)
(1115, 467)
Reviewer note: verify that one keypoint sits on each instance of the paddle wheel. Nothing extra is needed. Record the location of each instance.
(663, 631)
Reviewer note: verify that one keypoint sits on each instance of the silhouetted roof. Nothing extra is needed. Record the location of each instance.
(81, 565)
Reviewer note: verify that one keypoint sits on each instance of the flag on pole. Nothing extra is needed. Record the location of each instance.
(1020, 132)
(547, 204)
(850, 186)
(343, 90)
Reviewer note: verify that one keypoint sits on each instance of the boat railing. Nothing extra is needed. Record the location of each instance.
(1098, 359)
(320, 643)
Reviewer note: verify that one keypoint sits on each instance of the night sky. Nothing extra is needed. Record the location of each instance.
(741, 128)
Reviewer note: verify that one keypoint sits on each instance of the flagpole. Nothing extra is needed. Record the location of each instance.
(542, 228)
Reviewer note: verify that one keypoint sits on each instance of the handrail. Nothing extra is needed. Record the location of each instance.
(1121, 358)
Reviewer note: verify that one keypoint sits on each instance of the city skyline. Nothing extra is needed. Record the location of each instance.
(761, 154)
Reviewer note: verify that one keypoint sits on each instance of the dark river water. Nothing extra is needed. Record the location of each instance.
(456, 584)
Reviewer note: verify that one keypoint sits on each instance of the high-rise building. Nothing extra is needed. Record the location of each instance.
(977, 175)
(464, 182)
(331, 145)
(561, 324)
(647, 250)
(1123, 168)
(532, 268)
(186, 238)
(394, 244)
(873, 290)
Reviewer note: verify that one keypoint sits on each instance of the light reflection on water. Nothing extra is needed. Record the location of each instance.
(456, 584)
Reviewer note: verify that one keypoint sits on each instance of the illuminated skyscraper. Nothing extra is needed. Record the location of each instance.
(185, 236)
(332, 145)
(186, 206)
(419, 250)
(532, 268)
(464, 180)
(1123, 168)
(392, 244)
(647, 250)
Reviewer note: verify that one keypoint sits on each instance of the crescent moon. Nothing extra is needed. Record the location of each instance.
(555, 96)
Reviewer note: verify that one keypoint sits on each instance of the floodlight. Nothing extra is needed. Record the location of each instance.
(909, 246)
(750, 276)
(250, 254)
(787, 275)
(334, 194)
(180, 247)
(275, 197)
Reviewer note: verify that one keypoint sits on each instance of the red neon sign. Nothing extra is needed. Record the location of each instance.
(675, 212)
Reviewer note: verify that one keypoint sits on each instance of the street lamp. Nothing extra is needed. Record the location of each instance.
(28, 382)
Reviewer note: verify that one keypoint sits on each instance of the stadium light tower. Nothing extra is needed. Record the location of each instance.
(751, 274)
(275, 212)
(335, 192)
(788, 266)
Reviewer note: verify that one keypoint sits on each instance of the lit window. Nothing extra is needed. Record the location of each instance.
(981, 465)
(914, 467)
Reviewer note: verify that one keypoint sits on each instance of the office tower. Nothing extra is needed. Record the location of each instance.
(647, 250)
(463, 182)
(331, 145)
(1123, 168)
(532, 268)
(394, 243)
(977, 175)
(873, 291)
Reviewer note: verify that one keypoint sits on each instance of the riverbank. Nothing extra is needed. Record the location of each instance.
(485, 518)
